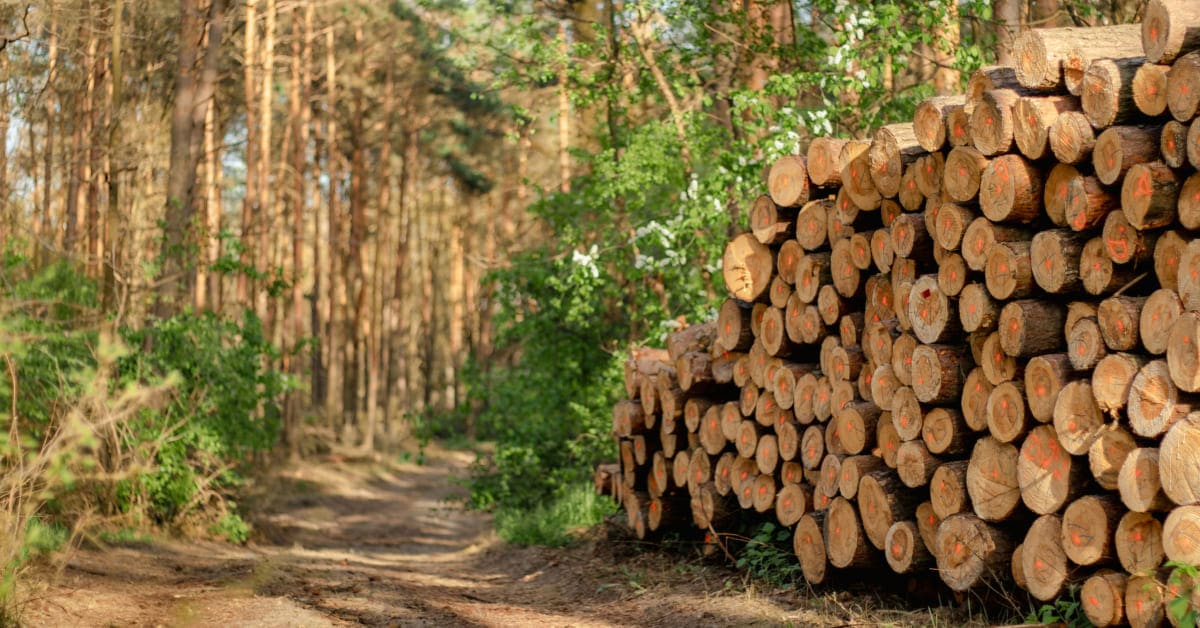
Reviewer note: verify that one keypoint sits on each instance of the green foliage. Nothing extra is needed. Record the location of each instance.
(231, 527)
(552, 524)
(768, 556)
(223, 410)
(1065, 610)
(1184, 583)
(159, 431)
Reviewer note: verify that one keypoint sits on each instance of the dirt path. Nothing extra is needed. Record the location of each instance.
(353, 544)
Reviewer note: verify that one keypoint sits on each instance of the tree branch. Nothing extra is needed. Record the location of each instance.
(5, 40)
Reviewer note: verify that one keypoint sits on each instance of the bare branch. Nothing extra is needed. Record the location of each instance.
(5, 40)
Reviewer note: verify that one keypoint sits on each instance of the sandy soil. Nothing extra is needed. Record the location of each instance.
(349, 544)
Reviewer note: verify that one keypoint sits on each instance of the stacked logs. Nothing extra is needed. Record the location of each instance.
(969, 345)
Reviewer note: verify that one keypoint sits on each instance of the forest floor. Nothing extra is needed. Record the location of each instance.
(343, 543)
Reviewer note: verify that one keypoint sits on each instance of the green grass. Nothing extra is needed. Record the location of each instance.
(553, 524)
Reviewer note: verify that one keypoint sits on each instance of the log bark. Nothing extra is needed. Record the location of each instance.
(1120, 148)
(788, 182)
(948, 489)
(970, 552)
(1008, 271)
(883, 501)
(1150, 89)
(1144, 602)
(1031, 326)
(914, 464)
(1043, 559)
(1139, 542)
(856, 175)
(1183, 351)
(1055, 256)
(905, 551)
(1119, 42)
(992, 121)
(992, 479)
(823, 161)
(1107, 90)
(1155, 404)
(930, 120)
(1033, 118)
(1008, 417)
(1048, 476)
(1102, 597)
(808, 543)
(894, 148)
(1107, 455)
(844, 536)
(1139, 482)
(1039, 52)
(791, 503)
(748, 266)
(1170, 28)
(1045, 377)
(1088, 528)
(1077, 418)
(1181, 535)
(1072, 138)
(1179, 463)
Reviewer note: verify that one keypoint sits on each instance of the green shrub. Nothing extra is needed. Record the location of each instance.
(145, 423)
(223, 410)
(768, 556)
(552, 524)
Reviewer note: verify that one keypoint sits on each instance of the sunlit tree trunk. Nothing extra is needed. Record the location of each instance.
(51, 230)
(250, 193)
(335, 349)
(564, 113)
(114, 223)
(265, 207)
(90, 165)
(945, 41)
(9, 222)
(1006, 15)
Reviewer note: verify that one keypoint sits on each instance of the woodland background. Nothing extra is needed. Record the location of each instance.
(232, 231)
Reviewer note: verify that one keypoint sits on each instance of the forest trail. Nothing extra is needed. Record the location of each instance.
(348, 544)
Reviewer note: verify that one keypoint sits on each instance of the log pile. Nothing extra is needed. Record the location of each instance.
(970, 345)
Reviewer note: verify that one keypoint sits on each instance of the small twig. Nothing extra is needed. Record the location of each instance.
(1131, 283)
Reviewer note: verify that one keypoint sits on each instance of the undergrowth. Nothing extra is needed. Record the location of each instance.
(557, 522)
(115, 426)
